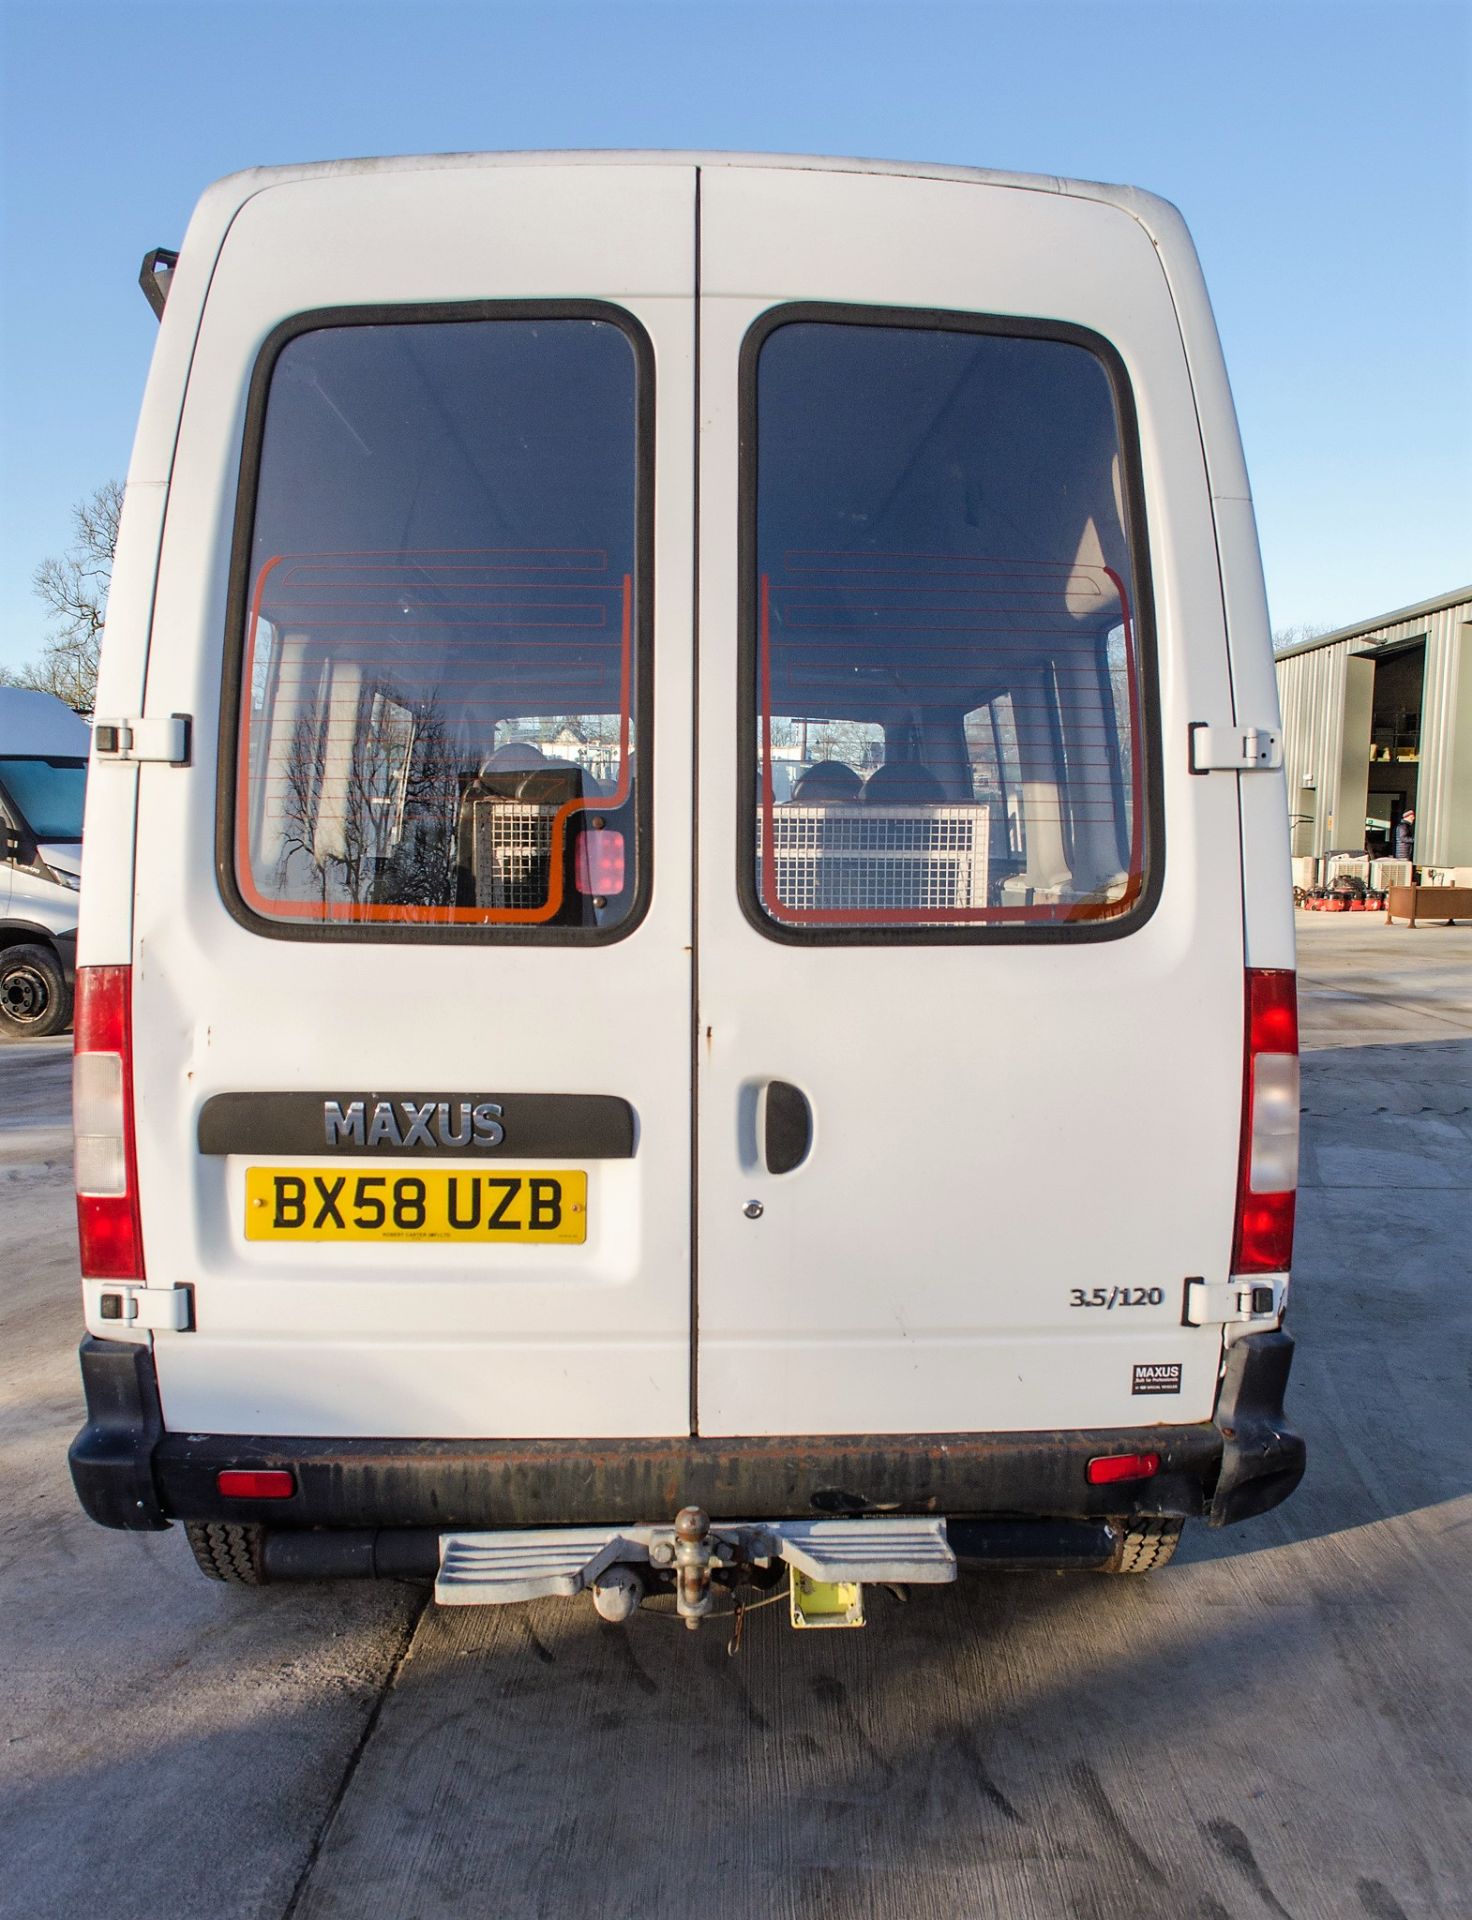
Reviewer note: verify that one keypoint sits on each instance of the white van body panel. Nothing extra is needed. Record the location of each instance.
(839, 1309)
(849, 1306)
(1267, 904)
(106, 931)
(591, 1339)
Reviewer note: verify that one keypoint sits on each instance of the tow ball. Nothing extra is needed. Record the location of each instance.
(692, 1557)
(618, 1592)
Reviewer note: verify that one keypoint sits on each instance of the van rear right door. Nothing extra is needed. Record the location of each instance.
(969, 932)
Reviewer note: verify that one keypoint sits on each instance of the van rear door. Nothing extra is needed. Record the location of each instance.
(969, 934)
(410, 1010)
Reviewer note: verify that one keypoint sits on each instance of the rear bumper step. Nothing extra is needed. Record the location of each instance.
(130, 1473)
(487, 1569)
(414, 1553)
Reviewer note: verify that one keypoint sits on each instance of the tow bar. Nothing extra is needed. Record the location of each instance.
(830, 1561)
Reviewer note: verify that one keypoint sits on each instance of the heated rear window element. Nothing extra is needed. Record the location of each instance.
(441, 681)
(945, 686)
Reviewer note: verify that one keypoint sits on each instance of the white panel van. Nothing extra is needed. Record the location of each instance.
(43, 778)
(687, 965)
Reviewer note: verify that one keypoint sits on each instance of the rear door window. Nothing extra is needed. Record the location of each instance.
(945, 554)
(443, 667)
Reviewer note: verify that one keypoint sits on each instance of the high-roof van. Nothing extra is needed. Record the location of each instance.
(43, 777)
(687, 959)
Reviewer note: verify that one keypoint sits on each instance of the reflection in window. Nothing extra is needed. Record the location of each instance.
(440, 656)
(941, 560)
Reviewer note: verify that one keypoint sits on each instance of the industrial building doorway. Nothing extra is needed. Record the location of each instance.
(1395, 742)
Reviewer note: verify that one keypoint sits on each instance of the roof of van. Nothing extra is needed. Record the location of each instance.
(1153, 211)
(40, 723)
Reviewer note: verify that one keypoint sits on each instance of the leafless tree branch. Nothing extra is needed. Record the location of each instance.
(73, 588)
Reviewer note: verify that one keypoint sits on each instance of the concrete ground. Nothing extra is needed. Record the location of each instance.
(1275, 1725)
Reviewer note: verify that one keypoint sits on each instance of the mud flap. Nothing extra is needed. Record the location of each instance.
(1262, 1459)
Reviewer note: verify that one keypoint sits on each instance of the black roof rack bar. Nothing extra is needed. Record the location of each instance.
(154, 277)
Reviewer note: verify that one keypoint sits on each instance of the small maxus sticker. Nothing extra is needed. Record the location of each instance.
(1158, 1376)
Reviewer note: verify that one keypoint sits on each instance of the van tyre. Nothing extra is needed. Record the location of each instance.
(1145, 1545)
(35, 999)
(227, 1552)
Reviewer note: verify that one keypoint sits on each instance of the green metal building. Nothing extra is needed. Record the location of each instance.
(1377, 719)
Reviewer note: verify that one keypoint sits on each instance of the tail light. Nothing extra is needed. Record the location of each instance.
(108, 1226)
(265, 1483)
(1106, 1468)
(1267, 1182)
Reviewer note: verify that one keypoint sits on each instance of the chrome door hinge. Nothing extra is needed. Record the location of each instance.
(1234, 749)
(1232, 1302)
(128, 1303)
(166, 740)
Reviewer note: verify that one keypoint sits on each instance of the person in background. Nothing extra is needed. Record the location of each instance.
(1405, 835)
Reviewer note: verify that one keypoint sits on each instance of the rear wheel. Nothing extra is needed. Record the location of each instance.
(227, 1552)
(34, 997)
(1145, 1545)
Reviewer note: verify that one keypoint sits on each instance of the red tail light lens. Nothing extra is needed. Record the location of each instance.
(267, 1483)
(599, 866)
(1106, 1468)
(108, 1226)
(1267, 1182)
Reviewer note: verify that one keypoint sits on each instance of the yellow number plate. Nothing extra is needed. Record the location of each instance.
(509, 1204)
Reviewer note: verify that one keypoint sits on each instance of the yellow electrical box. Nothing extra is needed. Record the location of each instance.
(826, 1603)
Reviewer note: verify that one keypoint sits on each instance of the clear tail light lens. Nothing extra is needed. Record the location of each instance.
(1267, 1183)
(1273, 1166)
(108, 1226)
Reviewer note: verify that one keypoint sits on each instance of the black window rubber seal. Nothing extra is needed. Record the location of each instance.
(1005, 326)
(434, 313)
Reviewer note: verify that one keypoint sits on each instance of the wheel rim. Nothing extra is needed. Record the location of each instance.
(25, 995)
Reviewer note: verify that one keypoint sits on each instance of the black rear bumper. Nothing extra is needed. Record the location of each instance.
(130, 1473)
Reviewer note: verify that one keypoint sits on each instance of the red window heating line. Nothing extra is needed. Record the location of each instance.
(944, 916)
(355, 912)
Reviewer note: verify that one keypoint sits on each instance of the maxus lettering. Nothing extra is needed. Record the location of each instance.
(410, 1123)
(1157, 1376)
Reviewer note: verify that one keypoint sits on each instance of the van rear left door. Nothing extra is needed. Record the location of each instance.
(410, 1014)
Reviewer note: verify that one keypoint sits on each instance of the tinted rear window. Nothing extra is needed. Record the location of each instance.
(945, 690)
(440, 681)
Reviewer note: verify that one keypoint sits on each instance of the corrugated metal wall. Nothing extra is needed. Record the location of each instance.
(1311, 686)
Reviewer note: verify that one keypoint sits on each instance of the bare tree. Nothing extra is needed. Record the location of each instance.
(371, 819)
(1284, 637)
(74, 587)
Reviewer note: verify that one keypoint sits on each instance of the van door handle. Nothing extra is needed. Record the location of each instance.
(787, 1126)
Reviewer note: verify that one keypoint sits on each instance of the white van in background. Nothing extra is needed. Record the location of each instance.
(687, 958)
(43, 778)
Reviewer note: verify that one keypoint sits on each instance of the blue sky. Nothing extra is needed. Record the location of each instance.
(1321, 151)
